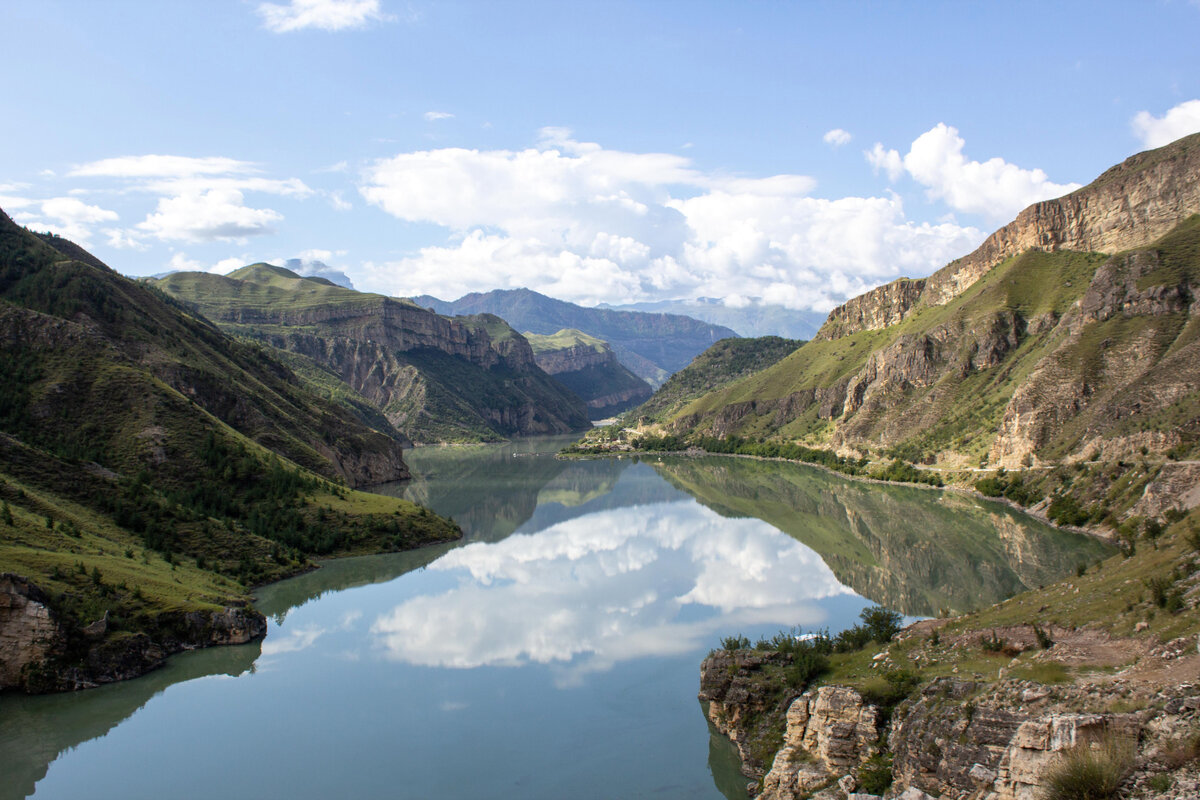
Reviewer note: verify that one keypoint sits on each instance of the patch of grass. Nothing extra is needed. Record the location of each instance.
(1090, 772)
(1049, 672)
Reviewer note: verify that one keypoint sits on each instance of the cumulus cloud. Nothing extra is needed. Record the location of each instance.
(325, 15)
(627, 583)
(208, 216)
(994, 188)
(1176, 123)
(837, 137)
(579, 221)
(201, 199)
(68, 217)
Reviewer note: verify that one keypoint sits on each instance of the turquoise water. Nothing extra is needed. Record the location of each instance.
(553, 653)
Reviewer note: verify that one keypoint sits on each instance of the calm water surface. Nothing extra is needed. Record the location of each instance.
(554, 653)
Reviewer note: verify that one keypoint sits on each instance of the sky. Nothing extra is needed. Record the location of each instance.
(600, 152)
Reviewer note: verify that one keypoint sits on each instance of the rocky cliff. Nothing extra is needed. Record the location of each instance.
(40, 651)
(589, 368)
(1027, 353)
(434, 378)
(1129, 206)
(959, 739)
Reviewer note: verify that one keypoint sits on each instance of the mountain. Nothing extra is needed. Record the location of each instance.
(587, 366)
(435, 379)
(651, 346)
(152, 470)
(726, 362)
(754, 319)
(1070, 334)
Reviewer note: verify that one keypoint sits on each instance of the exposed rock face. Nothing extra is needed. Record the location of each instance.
(961, 740)
(1133, 373)
(1129, 206)
(880, 307)
(590, 369)
(740, 704)
(29, 633)
(830, 731)
(34, 642)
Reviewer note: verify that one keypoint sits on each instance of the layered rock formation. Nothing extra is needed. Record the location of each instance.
(959, 739)
(40, 652)
(1129, 206)
(434, 378)
(589, 368)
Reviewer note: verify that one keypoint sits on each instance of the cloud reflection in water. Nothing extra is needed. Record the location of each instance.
(650, 580)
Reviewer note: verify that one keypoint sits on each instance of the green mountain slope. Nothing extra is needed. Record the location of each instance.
(1027, 353)
(587, 366)
(724, 363)
(652, 346)
(152, 469)
(435, 379)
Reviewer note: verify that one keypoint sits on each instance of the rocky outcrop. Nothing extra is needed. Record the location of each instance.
(589, 368)
(1103, 381)
(830, 731)
(40, 651)
(878, 308)
(29, 632)
(960, 739)
(1129, 206)
(743, 703)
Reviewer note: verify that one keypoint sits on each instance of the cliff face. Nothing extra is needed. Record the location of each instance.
(1129, 206)
(1030, 351)
(434, 378)
(589, 368)
(959, 739)
(39, 652)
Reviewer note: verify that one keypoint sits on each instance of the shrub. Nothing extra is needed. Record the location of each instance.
(735, 643)
(1043, 639)
(881, 623)
(993, 643)
(1090, 772)
(875, 774)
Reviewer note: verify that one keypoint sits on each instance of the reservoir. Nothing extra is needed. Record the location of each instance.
(553, 653)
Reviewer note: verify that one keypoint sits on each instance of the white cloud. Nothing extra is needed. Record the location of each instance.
(124, 239)
(326, 15)
(434, 116)
(159, 166)
(201, 199)
(628, 583)
(993, 188)
(581, 222)
(207, 216)
(69, 217)
(181, 263)
(837, 137)
(1176, 123)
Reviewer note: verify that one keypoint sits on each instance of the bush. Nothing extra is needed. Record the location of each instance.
(1090, 772)
(735, 643)
(875, 774)
(881, 623)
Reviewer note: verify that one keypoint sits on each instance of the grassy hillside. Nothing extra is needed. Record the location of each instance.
(470, 379)
(151, 467)
(725, 362)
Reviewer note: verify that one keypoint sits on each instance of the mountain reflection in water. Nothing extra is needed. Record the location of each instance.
(602, 581)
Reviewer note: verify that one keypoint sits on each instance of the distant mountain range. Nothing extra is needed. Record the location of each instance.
(755, 319)
(651, 345)
(435, 379)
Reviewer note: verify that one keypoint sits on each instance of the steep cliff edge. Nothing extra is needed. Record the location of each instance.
(434, 378)
(589, 368)
(1029, 353)
(1129, 206)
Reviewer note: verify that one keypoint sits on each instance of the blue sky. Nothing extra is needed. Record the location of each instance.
(599, 152)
